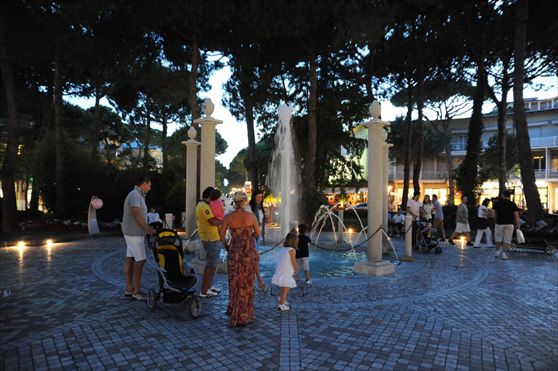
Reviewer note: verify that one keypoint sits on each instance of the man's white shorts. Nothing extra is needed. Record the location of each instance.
(303, 263)
(462, 228)
(135, 247)
(503, 233)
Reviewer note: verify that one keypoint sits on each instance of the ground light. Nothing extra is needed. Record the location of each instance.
(49, 243)
(20, 247)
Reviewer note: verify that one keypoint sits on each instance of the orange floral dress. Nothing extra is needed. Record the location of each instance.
(242, 262)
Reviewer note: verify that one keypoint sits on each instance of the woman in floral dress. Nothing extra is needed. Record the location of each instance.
(242, 262)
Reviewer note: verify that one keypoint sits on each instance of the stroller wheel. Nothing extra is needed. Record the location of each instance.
(196, 305)
(438, 250)
(152, 299)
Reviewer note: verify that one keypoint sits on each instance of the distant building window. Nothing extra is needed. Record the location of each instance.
(527, 107)
(539, 163)
(544, 104)
(459, 143)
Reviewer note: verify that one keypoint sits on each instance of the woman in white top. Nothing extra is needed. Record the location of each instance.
(482, 225)
(426, 209)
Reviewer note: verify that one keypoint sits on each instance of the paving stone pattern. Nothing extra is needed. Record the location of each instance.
(461, 310)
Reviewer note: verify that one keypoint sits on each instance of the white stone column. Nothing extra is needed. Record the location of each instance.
(191, 180)
(207, 160)
(376, 189)
(385, 180)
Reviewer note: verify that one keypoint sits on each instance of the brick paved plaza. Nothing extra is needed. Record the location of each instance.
(461, 310)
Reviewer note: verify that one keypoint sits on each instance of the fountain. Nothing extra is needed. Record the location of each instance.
(283, 173)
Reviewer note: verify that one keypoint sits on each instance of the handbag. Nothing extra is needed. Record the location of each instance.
(519, 236)
(482, 223)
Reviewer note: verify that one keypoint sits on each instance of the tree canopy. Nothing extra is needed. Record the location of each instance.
(328, 59)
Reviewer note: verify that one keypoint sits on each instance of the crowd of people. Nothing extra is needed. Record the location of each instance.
(504, 213)
(240, 231)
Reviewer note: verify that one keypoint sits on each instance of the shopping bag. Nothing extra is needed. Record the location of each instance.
(519, 236)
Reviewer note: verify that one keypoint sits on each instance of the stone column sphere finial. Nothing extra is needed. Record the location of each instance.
(375, 109)
(208, 107)
(285, 112)
(192, 133)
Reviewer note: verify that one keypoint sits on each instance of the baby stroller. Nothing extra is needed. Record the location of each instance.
(175, 286)
(426, 240)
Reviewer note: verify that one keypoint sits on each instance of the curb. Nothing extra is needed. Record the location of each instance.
(39, 241)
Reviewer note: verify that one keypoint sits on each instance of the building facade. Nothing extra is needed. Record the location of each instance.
(542, 121)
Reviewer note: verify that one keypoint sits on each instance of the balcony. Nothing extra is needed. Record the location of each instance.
(539, 142)
(424, 175)
(544, 142)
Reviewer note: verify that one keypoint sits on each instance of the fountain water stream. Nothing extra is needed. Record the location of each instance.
(283, 175)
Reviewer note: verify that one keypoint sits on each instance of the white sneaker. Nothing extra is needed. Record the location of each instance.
(215, 289)
(308, 282)
(208, 294)
(497, 254)
(140, 296)
(283, 307)
(505, 256)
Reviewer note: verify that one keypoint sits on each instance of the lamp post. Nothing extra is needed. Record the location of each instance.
(377, 187)
(207, 159)
(191, 180)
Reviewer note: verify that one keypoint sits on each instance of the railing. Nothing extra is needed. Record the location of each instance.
(443, 175)
(539, 175)
(543, 142)
(424, 175)
(537, 142)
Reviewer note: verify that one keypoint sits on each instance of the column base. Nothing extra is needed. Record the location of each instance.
(408, 259)
(380, 268)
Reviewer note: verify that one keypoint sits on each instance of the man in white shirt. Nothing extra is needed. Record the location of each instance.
(413, 209)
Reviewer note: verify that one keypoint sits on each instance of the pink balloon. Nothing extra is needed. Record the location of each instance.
(96, 203)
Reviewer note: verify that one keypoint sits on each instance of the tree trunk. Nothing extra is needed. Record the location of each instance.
(95, 138)
(60, 205)
(310, 161)
(449, 164)
(252, 155)
(192, 98)
(192, 79)
(469, 166)
(9, 207)
(523, 141)
(164, 140)
(407, 164)
(145, 164)
(501, 143)
(43, 129)
(107, 151)
(370, 74)
(420, 131)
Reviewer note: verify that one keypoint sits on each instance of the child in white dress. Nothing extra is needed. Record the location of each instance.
(286, 268)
